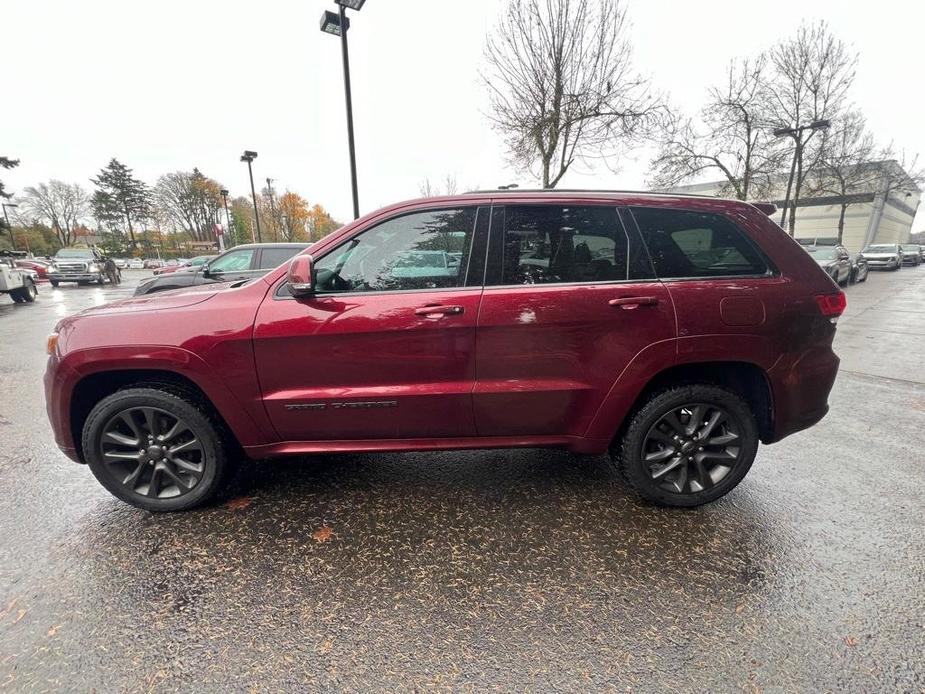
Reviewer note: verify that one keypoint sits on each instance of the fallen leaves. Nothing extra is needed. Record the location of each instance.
(53, 630)
(325, 647)
(740, 608)
(323, 534)
(240, 503)
(851, 641)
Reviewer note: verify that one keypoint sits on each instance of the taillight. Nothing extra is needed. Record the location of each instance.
(832, 305)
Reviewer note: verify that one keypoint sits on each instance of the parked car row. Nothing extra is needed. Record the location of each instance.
(892, 256)
(847, 268)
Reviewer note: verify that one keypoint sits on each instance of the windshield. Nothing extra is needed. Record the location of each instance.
(821, 253)
(82, 253)
(881, 248)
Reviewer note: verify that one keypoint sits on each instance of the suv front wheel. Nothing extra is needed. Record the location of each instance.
(688, 445)
(155, 448)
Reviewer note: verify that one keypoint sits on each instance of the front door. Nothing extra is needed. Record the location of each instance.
(385, 348)
(569, 302)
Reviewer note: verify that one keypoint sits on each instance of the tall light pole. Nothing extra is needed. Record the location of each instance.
(6, 217)
(338, 25)
(798, 143)
(224, 192)
(249, 156)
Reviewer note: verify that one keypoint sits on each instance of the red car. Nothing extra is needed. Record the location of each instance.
(185, 266)
(41, 269)
(674, 332)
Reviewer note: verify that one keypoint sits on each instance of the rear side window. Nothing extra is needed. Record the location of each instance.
(696, 244)
(274, 257)
(549, 244)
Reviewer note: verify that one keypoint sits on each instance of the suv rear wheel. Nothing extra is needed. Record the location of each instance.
(155, 449)
(688, 445)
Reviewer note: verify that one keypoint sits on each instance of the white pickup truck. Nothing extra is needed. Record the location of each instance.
(17, 282)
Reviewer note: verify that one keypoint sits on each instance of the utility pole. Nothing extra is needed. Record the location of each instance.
(224, 192)
(796, 166)
(272, 202)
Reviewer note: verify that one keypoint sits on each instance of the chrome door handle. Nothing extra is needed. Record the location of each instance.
(438, 310)
(631, 302)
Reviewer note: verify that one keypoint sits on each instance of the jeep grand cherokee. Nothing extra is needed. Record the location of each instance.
(674, 332)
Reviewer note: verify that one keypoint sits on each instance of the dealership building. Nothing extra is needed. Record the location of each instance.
(881, 211)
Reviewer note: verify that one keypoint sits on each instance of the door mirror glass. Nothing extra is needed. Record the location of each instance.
(301, 276)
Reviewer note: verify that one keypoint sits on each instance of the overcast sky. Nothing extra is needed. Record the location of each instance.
(172, 84)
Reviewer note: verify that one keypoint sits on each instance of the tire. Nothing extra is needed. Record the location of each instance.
(700, 483)
(29, 292)
(54, 283)
(202, 436)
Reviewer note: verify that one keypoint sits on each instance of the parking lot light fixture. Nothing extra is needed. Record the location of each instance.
(339, 24)
(249, 157)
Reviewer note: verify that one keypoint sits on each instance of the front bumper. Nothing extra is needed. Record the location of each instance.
(74, 276)
(58, 406)
(875, 264)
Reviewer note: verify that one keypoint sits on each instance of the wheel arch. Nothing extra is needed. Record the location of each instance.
(742, 377)
(93, 387)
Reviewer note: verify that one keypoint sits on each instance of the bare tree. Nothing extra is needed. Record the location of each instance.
(60, 205)
(192, 200)
(813, 72)
(733, 139)
(429, 190)
(903, 173)
(562, 86)
(847, 167)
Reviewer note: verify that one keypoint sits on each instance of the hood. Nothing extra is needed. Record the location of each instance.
(159, 301)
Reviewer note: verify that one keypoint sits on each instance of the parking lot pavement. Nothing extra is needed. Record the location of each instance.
(504, 570)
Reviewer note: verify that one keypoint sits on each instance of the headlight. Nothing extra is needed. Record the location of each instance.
(93, 267)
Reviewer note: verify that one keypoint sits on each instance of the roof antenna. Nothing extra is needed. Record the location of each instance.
(508, 186)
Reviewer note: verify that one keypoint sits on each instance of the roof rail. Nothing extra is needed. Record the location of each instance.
(515, 191)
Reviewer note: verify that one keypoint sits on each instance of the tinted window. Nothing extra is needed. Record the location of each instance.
(274, 257)
(233, 261)
(551, 243)
(696, 244)
(424, 250)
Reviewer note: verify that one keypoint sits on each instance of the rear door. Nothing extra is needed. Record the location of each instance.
(385, 348)
(721, 283)
(569, 302)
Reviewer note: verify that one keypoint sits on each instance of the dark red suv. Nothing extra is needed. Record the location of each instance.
(673, 332)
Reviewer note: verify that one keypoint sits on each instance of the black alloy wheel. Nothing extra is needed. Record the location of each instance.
(159, 450)
(692, 448)
(152, 452)
(689, 445)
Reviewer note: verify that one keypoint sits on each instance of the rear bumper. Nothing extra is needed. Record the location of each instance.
(800, 387)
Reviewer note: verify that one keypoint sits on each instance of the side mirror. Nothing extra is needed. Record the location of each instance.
(301, 276)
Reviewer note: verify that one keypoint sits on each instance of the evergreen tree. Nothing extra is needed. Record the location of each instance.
(6, 163)
(120, 198)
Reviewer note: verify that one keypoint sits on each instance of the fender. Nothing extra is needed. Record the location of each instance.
(676, 352)
(246, 418)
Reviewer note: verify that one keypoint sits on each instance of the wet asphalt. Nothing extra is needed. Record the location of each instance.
(484, 571)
